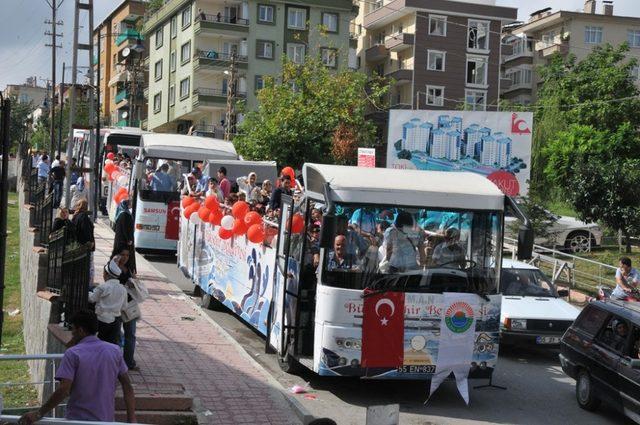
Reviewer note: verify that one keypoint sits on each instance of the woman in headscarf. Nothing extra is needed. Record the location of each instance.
(246, 184)
(124, 227)
(84, 231)
(78, 192)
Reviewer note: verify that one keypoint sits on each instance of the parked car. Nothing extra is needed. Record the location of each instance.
(532, 310)
(565, 232)
(600, 351)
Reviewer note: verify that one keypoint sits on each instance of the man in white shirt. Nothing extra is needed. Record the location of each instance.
(627, 278)
(110, 298)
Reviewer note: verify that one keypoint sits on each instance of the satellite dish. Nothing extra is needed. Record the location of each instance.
(126, 52)
(125, 115)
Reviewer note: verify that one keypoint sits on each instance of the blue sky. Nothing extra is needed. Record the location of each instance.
(22, 39)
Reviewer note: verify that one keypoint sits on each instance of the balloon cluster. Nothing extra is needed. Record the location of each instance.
(121, 195)
(111, 169)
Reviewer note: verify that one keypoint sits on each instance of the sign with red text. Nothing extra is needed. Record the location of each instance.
(367, 157)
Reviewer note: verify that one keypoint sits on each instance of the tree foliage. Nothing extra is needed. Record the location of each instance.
(18, 120)
(311, 113)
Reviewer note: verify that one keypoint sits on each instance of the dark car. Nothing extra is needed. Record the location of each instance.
(600, 351)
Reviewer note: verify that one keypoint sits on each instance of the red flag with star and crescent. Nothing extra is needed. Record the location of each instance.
(383, 329)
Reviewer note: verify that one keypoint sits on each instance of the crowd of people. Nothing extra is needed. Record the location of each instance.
(54, 173)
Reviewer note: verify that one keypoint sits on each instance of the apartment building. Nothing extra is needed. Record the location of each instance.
(192, 43)
(29, 92)
(577, 33)
(441, 54)
(121, 49)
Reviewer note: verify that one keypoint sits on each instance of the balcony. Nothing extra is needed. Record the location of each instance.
(399, 41)
(388, 12)
(376, 53)
(129, 34)
(546, 50)
(218, 23)
(401, 76)
(125, 123)
(213, 97)
(121, 96)
(210, 59)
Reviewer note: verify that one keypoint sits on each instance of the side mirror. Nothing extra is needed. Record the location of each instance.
(328, 231)
(563, 293)
(525, 243)
(635, 364)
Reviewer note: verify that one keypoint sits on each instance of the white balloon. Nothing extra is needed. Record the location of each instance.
(227, 222)
(195, 218)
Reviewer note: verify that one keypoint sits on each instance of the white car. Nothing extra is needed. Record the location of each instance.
(565, 232)
(532, 310)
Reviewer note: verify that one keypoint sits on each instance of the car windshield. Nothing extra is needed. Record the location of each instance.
(526, 282)
(413, 249)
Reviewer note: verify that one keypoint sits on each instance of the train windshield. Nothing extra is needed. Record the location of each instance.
(414, 249)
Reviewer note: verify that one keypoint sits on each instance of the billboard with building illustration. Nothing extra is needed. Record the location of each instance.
(494, 144)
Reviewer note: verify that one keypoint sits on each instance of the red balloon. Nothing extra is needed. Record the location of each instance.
(188, 211)
(239, 227)
(187, 200)
(211, 202)
(255, 233)
(224, 233)
(215, 217)
(297, 223)
(252, 218)
(203, 213)
(109, 168)
(239, 210)
(122, 190)
(110, 156)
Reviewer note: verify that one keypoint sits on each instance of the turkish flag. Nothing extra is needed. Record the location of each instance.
(383, 329)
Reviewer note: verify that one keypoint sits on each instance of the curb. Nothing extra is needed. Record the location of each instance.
(301, 412)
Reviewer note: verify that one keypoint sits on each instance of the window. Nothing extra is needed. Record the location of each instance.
(633, 37)
(102, 43)
(477, 71)
(157, 71)
(186, 17)
(615, 334)
(591, 320)
(435, 95)
(115, 60)
(329, 57)
(476, 100)
(478, 35)
(264, 49)
(592, 35)
(174, 26)
(438, 25)
(549, 38)
(157, 102)
(635, 73)
(184, 88)
(297, 18)
(330, 21)
(295, 52)
(172, 94)
(266, 14)
(159, 36)
(172, 61)
(259, 82)
(436, 60)
(185, 52)
(101, 72)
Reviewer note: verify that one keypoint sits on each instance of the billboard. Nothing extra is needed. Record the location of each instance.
(494, 144)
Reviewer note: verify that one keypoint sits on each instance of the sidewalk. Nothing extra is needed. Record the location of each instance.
(177, 343)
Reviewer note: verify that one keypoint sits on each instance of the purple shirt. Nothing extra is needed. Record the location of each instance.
(93, 366)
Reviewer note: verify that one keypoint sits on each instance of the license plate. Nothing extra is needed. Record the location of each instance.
(417, 369)
(547, 340)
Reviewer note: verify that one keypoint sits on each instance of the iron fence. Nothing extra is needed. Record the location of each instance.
(43, 216)
(37, 199)
(59, 242)
(32, 184)
(75, 280)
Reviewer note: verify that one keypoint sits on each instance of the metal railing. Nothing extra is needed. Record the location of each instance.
(43, 216)
(37, 199)
(203, 91)
(32, 184)
(75, 280)
(59, 242)
(12, 419)
(223, 19)
(221, 56)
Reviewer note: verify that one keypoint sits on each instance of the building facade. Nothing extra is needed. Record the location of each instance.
(121, 49)
(192, 44)
(562, 32)
(441, 54)
(29, 92)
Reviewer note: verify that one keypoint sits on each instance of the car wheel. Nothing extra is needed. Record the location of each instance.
(585, 393)
(578, 242)
(287, 363)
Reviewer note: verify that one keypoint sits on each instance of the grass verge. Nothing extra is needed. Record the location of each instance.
(12, 335)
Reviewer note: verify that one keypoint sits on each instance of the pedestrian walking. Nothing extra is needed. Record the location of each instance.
(43, 169)
(57, 174)
(124, 228)
(84, 232)
(78, 191)
(88, 374)
(110, 299)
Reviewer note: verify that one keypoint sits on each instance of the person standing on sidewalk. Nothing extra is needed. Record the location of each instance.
(84, 232)
(110, 299)
(124, 229)
(43, 169)
(57, 181)
(88, 373)
(128, 322)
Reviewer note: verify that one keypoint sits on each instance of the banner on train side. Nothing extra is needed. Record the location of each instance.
(494, 144)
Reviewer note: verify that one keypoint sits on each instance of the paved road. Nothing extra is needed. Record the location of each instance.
(538, 391)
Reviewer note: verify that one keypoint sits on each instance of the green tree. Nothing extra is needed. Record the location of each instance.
(311, 113)
(19, 116)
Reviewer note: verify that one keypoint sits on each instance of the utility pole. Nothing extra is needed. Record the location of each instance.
(59, 144)
(88, 6)
(54, 45)
(231, 98)
(6, 143)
